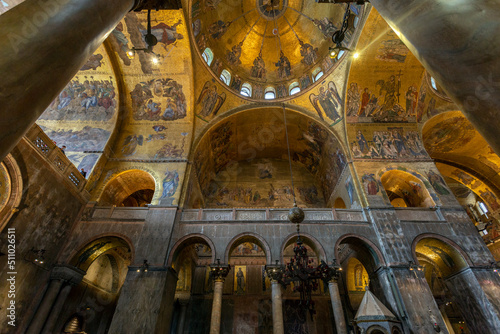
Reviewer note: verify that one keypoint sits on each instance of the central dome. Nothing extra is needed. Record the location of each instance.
(256, 45)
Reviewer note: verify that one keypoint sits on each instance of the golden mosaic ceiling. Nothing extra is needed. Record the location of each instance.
(267, 41)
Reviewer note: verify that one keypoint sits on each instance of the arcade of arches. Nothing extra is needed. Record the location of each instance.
(148, 192)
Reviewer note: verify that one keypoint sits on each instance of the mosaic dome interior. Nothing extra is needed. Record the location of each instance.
(257, 46)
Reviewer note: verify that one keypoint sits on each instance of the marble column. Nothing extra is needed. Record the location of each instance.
(219, 273)
(58, 276)
(182, 315)
(442, 308)
(43, 44)
(278, 327)
(476, 304)
(56, 309)
(457, 42)
(275, 274)
(152, 294)
(338, 312)
(45, 306)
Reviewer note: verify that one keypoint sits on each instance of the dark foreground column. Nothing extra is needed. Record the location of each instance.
(43, 43)
(58, 276)
(479, 305)
(146, 301)
(457, 42)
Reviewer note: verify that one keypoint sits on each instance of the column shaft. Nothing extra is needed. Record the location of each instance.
(216, 308)
(56, 309)
(457, 42)
(44, 307)
(338, 312)
(43, 44)
(182, 318)
(278, 327)
(442, 308)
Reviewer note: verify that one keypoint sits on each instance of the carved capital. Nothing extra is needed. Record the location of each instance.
(219, 271)
(156, 5)
(69, 274)
(275, 273)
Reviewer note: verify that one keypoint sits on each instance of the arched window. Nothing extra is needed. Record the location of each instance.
(341, 53)
(270, 93)
(317, 73)
(225, 76)
(246, 89)
(294, 88)
(434, 84)
(208, 56)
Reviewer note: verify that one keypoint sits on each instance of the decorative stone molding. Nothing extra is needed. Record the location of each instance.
(69, 274)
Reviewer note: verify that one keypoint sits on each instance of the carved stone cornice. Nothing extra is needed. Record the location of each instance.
(156, 5)
(219, 271)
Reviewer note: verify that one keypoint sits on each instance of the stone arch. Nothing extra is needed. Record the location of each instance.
(339, 203)
(372, 257)
(189, 240)
(121, 186)
(290, 108)
(9, 205)
(250, 237)
(308, 240)
(376, 329)
(444, 240)
(258, 145)
(115, 272)
(96, 246)
(428, 195)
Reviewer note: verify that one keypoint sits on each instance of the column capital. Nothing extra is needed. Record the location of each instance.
(274, 272)
(69, 274)
(156, 4)
(219, 271)
(330, 273)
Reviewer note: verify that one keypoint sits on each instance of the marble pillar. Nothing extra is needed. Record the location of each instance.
(219, 273)
(457, 42)
(278, 327)
(44, 307)
(56, 309)
(275, 274)
(43, 44)
(442, 308)
(478, 311)
(48, 312)
(216, 307)
(152, 295)
(421, 309)
(338, 312)
(182, 316)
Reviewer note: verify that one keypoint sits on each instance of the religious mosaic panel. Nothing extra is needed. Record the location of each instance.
(396, 142)
(384, 86)
(83, 115)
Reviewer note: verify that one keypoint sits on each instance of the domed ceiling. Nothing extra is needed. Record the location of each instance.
(267, 42)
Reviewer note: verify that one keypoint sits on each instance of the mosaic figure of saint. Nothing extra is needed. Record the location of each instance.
(308, 52)
(218, 29)
(326, 26)
(283, 66)
(233, 56)
(353, 100)
(258, 68)
(210, 100)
